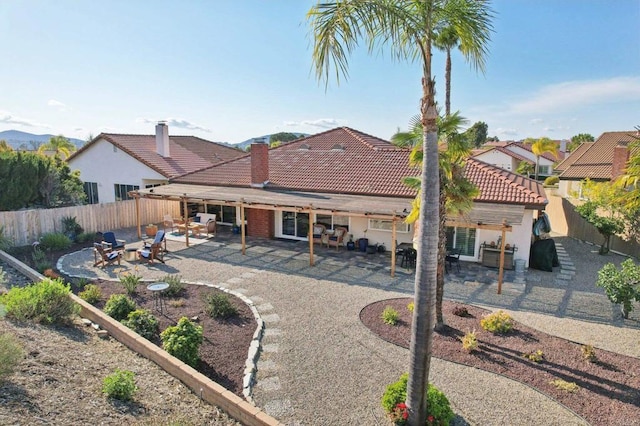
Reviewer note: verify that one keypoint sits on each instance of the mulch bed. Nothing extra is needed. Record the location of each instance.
(609, 388)
(225, 344)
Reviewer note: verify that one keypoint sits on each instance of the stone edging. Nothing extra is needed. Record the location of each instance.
(205, 388)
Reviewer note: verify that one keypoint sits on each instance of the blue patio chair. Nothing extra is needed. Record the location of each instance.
(110, 237)
(154, 250)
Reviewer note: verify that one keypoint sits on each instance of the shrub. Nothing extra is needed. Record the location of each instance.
(119, 306)
(55, 241)
(498, 322)
(564, 385)
(46, 302)
(470, 341)
(411, 306)
(390, 316)
(142, 322)
(621, 286)
(460, 311)
(551, 181)
(589, 353)
(50, 273)
(439, 411)
(120, 385)
(535, 356)
(91, 294)
(130, 282)
(70, 227)
(5, 242)
(40, 260)
(176, 287)
(219, 305)
(183, 341)
(10, 355)
(177, 303)
(85, 237)
(3, 277)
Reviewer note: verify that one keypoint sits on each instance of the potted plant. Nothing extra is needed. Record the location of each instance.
(151, 230)
(235, 228)
(350, 244)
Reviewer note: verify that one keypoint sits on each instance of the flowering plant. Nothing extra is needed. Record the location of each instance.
(400, 414)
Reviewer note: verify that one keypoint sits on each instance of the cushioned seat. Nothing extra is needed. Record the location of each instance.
(318, 232)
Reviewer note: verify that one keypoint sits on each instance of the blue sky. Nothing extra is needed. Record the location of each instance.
(229, 70)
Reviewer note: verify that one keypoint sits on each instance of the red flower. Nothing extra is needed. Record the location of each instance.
(405, 415)
(401, 405)
(430, 419)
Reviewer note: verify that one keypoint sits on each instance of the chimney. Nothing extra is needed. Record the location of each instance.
(563, 145)
(162, 139)
(259, 165)
(620, 159)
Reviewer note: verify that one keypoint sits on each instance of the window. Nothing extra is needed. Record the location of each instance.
(224, 214)
(153, 185)
(330, 222)
(122, 191)
(463, 239)
(543, 170)
(295, 224)
(386, 225)
(91, 189)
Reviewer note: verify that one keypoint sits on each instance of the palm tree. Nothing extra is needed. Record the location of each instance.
(456, 192)
(61, 146)
(446, 40)
(406, 27)
(540, 147)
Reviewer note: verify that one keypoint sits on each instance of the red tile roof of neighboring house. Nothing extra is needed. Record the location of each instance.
(187, 153)
(572, 157)
(597, 159)
(546, 155)
(505, 151)
(347, 161)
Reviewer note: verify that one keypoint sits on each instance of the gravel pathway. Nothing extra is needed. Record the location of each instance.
(319, 365)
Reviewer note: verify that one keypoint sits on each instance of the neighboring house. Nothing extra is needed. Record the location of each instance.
(343, 177)
(602, 160)
(510, 155)
(503, 158)
(111, 165)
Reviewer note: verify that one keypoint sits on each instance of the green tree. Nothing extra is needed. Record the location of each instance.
(525, 168)
(477, 134)
(456, 192)
(622, 285)
(281, 137)
(4, 146)
(629, 197)
(406, 27)
(577, 140)
(447, 40)
(60, 145)
(540, 147)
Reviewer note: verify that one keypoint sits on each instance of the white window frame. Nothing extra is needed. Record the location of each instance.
(386, 226)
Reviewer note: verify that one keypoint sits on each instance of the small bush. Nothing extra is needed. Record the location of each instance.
(3, 277)
(177, 303)
(46, 302)
(439, 411)
(55, 241)
(470, 341)
(40, 261)
(535, 356)
(85, 237)
(411, 306)
(119, 306)
(183, 341)
(176, 287)
(91, 294)
(70, 227)
(390, 316)
(219, 305)
(460, 311)
(10, 355)
(130, 282)
(5, 242)
(551, 181)
(498, 322)
(142, 322)
(565, 386)
(589, 353)
(120, 385)
(621, 285)
(50, 273)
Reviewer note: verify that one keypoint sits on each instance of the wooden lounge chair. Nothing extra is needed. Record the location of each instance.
(104, 254)
(154, 250)
(318, 232)
(337, 238)
(110, 237)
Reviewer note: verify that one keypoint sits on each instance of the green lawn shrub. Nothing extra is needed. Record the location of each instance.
(551, 181)
(390, 316)
(11, 354)
(119, 306)
(55, 241)
(142, 322)
(622, 286)
(470, 341)
(40, 260)
(498, 322)
(120, 385)
(91, 294)
(219, 305)
(130, 282)
(46, 302)
(176, 286)
(183, 341)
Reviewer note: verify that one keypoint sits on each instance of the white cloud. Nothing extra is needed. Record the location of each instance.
(562, 96)
(506, 132)
(549, 129)
(57, 104)
(323, 123)
(175, 122)
(8, 118)
(536, 121)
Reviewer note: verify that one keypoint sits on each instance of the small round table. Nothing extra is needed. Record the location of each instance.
(157, 289)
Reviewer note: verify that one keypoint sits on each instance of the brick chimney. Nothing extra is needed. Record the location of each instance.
(259, 165)
(162, 139)
(620, 159)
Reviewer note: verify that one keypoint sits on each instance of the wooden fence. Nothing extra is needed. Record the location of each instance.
(24, 227)
(566, 221)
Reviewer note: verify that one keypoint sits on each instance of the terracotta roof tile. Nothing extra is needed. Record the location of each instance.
(507, 152)
(188, 153)
(546, 155)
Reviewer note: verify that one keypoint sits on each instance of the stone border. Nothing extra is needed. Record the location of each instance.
(205, 388)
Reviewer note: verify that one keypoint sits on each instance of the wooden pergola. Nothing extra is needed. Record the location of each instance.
(394, 209)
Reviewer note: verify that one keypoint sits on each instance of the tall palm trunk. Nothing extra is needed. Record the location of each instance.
(447, 78)
(442, 251)
(537, 166)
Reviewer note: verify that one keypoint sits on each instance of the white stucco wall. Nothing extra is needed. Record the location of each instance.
(528, 154)
(520, 236)
(107, 165)
(497, 158)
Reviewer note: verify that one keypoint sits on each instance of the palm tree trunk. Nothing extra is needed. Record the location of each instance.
(447, 76)
(537, 165)
(427, 264)
(442, 251)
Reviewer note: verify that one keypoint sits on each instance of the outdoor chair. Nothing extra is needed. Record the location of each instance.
(154, 250)
(170, 223)
(318, 232)
(337, 238)
(452, 257)
(409, 258)
(104, 255)
(110, 237)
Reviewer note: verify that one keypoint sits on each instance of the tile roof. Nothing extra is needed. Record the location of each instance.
(572, 157)
(346, 161)
(505, 151)
(597, 159)
(546, 155)
(188, 153)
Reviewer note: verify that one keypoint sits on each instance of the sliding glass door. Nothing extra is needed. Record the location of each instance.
(295, 224)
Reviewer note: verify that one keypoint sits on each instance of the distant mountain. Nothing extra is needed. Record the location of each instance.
(17, 139)
(266, 138)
